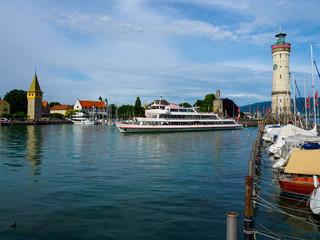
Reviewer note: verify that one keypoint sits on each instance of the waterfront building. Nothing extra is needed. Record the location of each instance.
(4, 107)
(34, 96)
(45, 108)
(93, 108)
(61, 109)
(248, 115)
(281, 95)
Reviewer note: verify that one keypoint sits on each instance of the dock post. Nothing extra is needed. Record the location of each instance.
(250, 168)
(248, 219)
(253, 162)
(232, 226)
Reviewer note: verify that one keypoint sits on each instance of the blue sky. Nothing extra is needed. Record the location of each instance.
(182, 49)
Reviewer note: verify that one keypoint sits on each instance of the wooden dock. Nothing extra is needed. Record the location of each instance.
(250, 122)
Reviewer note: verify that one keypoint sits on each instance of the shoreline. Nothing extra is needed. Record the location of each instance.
(47, 122)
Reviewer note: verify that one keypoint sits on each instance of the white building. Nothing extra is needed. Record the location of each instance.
(93, 108)
(281, 95)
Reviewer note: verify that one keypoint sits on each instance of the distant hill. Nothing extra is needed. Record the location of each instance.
(299, 102)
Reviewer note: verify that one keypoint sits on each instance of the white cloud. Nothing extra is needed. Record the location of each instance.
(141, 48)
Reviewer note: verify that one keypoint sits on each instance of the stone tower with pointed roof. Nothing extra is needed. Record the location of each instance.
(34, 96)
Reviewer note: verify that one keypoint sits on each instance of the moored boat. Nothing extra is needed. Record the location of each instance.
(297, 174)
(164, 117)
(81, 118)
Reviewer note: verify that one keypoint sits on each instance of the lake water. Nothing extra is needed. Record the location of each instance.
(91, 182)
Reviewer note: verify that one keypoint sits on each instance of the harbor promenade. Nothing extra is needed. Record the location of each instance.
(40, 122)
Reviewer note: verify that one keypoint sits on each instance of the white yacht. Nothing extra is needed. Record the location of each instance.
(164, 117)
(81, 118)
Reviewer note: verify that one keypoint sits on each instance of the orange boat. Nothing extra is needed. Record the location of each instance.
(296, 184)
(299, 170)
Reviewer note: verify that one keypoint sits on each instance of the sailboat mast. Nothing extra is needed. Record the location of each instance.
(305, 102)
(286, 106)
(314, 102)
(294, 100)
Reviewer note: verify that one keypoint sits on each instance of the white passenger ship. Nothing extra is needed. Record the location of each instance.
(81, 118)
(164, 117)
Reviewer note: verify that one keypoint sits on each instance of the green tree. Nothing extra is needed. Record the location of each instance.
(207, 105)
(138, 110)
(20, 115)
(6, 115)
(70, 112)
(113, 109)
(126, 111)
(54, 104)
(56, 115)
(185, 104)
(18, 100)
(198, 103)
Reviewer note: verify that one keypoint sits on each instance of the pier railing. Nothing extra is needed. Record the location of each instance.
(253, 172)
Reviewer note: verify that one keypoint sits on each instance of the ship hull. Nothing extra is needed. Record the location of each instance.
(134, 128)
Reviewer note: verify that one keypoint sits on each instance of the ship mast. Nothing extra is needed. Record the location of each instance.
(314, 102)
(305, 103)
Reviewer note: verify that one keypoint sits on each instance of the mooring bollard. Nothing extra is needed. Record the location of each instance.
(232, 226)
(248, 219)
(252, 166)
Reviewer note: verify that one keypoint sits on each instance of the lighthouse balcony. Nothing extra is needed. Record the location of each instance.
(281, 45)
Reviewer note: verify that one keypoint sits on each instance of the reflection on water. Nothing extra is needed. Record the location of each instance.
(96, 183)
(12, 146)
(165, 149)
(34, 149)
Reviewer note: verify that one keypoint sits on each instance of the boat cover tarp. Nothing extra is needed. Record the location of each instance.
(268, 135)
(291, 130)
(304, 162)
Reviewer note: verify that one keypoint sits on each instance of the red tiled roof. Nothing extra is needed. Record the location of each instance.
(1, 101)
(62, 107)
(91, 104)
